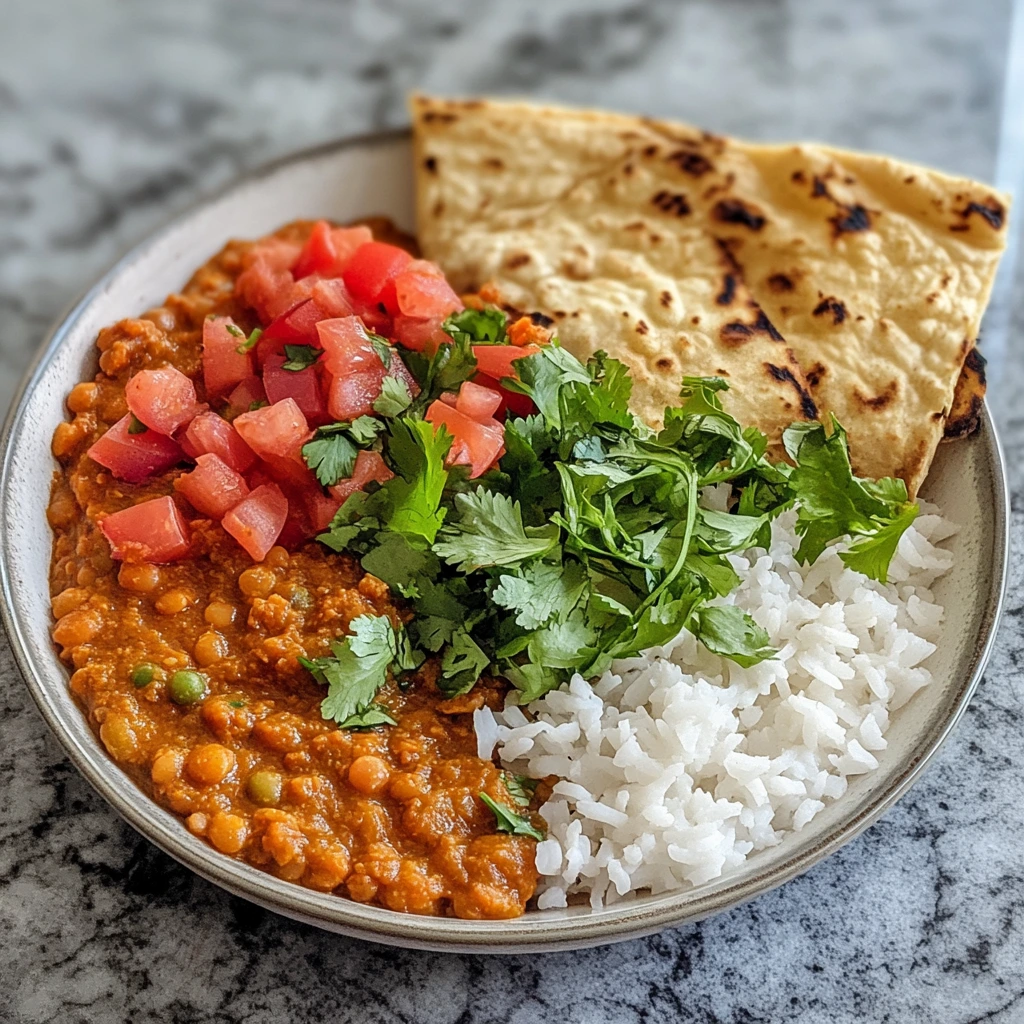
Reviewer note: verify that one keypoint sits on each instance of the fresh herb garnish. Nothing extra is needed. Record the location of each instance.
(364, 429)
(249, 342)
(136, 426)
(331, 455)
(394, 397)
(300, 357)
(508, 821)
(589, 541)
(478, 326)
(260, 403)
(234, 331)
(355, 670)
(520, 787)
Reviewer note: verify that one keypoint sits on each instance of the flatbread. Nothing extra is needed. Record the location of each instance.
(816, 280)
(581, 241)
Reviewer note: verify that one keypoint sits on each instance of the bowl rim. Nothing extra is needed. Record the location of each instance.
(526, 934)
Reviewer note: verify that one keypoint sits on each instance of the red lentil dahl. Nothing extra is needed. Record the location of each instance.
(388, 816)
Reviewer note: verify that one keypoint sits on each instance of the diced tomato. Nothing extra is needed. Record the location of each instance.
(318, 255)
(477, 402)
(213, 487)
(420, 335)
(347, 346)
(152, 531)
(298, 325)
(302, 385)
(289, 473)
(401, 371)
(223, 365)
(275, 252)
(369, 466)
(485, 441)
(496, 360)
(164, 399)
(248, 392)
(135, 457)
(511, 401)
(266, 288)
(256, 521)
(210, 434)
(320, 509)
(276, 431)
(371, 268)
(353, 394)
(348, 241)
(420, 294)
(333, 298)
(450, 398)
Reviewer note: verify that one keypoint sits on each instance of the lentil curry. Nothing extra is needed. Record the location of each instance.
(189, 673)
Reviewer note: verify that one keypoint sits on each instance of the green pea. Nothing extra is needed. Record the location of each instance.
(187, 687)
(265, 787)
(143, 675)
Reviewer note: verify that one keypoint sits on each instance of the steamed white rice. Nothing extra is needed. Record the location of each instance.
(677, 765)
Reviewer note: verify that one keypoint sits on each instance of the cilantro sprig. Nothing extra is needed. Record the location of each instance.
(589, 541)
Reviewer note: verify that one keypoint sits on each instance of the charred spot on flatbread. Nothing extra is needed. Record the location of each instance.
(785, 375)
(690, 162)
(780, 283)
(541, 320)
(965, 412)
(831, 305)
(673, 203)
(735, 211)
(728, 292)
(738, 333)
(884, 397)
(991, 211)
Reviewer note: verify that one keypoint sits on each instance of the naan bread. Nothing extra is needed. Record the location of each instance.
(683, 253)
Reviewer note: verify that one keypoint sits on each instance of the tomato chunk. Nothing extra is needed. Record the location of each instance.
(298, 325)
(301, 385)
(224, 367)
(210, 434)
(152, 531)
(496, 360)
(265, 287)
(511, 401)
(213, 487)
(422, 291)
(353, 394)
(135, 457)
(482, 443)
(333, 298)
(318, 255)
(420, 335)
(163, 399)
(276, 431)
(248, 393)
(371, 268)
(347, 346)
(347, 242)
(257, 520)
(369, 466)
(477, 402)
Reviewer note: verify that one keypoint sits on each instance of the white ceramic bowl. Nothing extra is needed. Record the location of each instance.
(343, 181)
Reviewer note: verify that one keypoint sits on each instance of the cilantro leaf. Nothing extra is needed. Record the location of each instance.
(462, 664)
(300, 357)
(872, 555)
(508, 821)
(357, 668)
(331, 455)
(250, 342)
(136, 426)
(731, 632)
(418, 453)
(520, 787)
(394, 397)
(541, 591)
(490, 531)
(370, 716)
(479, 326)
(364, 429)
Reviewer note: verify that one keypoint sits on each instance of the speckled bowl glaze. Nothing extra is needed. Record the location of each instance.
(374, 175)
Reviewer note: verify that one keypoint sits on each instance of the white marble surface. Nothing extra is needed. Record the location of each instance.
(115, 115)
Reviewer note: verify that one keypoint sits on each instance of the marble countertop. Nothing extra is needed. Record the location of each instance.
(113, 117)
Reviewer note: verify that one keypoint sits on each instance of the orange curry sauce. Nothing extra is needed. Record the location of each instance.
(388, 816)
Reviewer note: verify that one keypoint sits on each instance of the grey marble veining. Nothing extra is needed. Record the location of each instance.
(113, 116)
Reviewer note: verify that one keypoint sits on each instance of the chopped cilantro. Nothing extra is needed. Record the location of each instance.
(520, 787)
(364, 429)
(394, 397)
(300, 357)
(136, 426)
(249, 342)
(331, 455)
(478, 326)
(260, 403)
(234, 331)
(508, 821)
